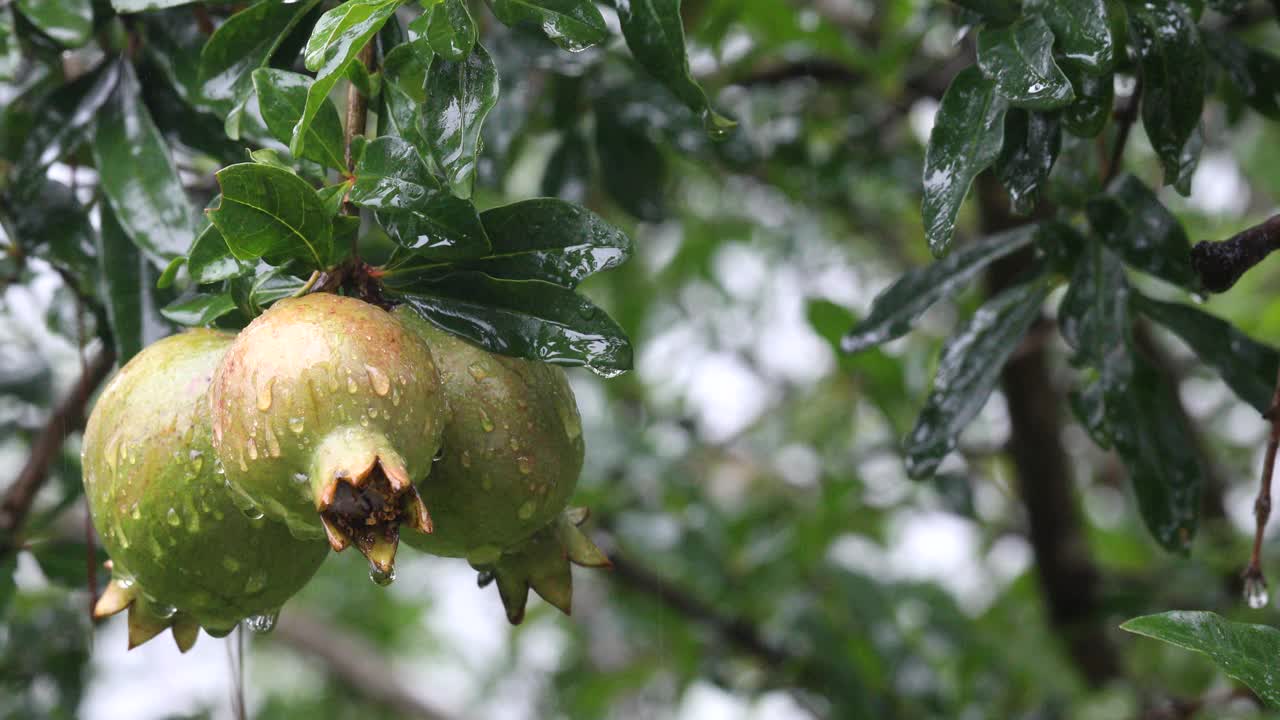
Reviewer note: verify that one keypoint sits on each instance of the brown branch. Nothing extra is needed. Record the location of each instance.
(357, 118)
(1221, 264)
(351, 659)
(67, 417)
(1255, 583)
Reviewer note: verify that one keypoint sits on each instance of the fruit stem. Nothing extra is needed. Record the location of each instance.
(357, 117)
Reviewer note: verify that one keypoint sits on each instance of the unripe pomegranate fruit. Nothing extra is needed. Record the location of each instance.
(183, 555)
(512, 453)
(326, 413)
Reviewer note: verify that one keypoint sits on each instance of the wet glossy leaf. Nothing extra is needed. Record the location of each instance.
(1244, 652)
(199, 310)
(282, 96)
(128, 290)
(10, 52)
(138, 176)
(1173, 78)
(459, 96)
(211, 260)
(1031, 144)
(1133, 222)
(655, 35)
(968, 372)
(244, 43)
(574, 25)
(272, 214)
(1082, 30)
(1095, 97)
(66, 118)
(1019, 60)
(1247, 366)
(411, 205)
(993, 9)
(337, 38)
(404, 71)
(56, 227)
(451, 32)
(895, 310)
(552, 240)
(132, 6)
(68, 22)
(524, 318)
(1254, 73)
(968, 133)
(632, 166)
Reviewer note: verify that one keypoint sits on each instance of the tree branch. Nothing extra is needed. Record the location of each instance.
(357, 119)
(1221, 264)
(67, 417)
(351, 659)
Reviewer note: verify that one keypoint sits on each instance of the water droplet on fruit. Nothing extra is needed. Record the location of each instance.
(381, 383)
(273, 445)
(484, 578)
(296, 425)
(485, 422)
(253, 449)
(164, 612)
(438, 456)
(382, 577)
(1255, 592)
(526, 510)
(173, 518)
(253, 512)
(395, 396)
(525, 463)
(264, 395)
(477, 371)
(135, 512)
(263, 623)
(197, 461)
(351, 385)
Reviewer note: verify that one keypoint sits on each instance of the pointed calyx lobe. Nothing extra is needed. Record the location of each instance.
(326, 416)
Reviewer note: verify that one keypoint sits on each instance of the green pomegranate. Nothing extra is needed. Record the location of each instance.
(183, 555)
(326, 414)
(512, 453)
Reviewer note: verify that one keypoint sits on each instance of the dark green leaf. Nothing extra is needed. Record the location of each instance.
(1031, 144)
(211, 260)
(632, 166)
(68, 22)
(524, 318)
(1019, 59)
(574, 25)
(451, 32)
(244, 43)
(56, 225)
(272, 214)
(1094, 315)
(415, 211)
(65, 562)
(1082, 29)
(1254, 73)
(654, 33)
(552, 240)
(568, 173)
(10, 57)
(968, 133)
(199, 310)
(1075, 178)
(459, 96)
(1173, 78)
(1244, 652)
(138, 176)
(1247, 366)
(65, 118)
(1131, 220)
(404, 71)
(968, 372)
(129, 290)
(993, 9)
(337, 38)
(132, 6)
(895, 309)
(1095, 96)
(282, 96)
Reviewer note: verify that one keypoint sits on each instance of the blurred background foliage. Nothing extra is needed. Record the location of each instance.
(773, 559)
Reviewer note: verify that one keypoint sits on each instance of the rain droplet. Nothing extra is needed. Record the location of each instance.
(1255, 592)
(264, 395)
(197, 461)
(273, 445)
(351, 385)
(253, 449)
(164, 612)
(382, 577)
(525, 463)
(381, 383)
(484, 578)
(263, 623)
(477, 371)
(526, 510)
(485, 422)
(253, 512)
(257, 582)
(395, 396)
(173, 518)
(135, 512)
(295, 425)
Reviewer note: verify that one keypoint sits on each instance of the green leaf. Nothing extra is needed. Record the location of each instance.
(451, 32)
(568, 174)
(211, 260)
(968, 133)
(459, 96)
(1095, 96)
(994, 9)
(138, 176)
(632, 166)
(242, 44)
(1082, 29)
(336, 40)
(56, 226)
(895, 310)
(1247, 366)
(1131, 220)
(129, 291)
(10, 55)
(404, 72)
(1173, 78)
(282, 96)
(552, 240)
(968, 372)
(272, 214)
(199, 310)
(133, 6)
(165, 281)
(1019, 60)
(1244, 652)
(574, 25)
(1031, 144)
(655, 35)
(65, 119)
(1254, 73)
(68, 22)
(524, 318)
(412, 206)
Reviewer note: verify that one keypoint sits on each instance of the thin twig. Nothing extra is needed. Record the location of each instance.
(1125, 119)
(68, 416)
(1255, 581)
(357, 118)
